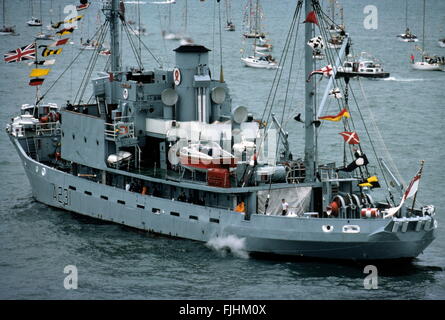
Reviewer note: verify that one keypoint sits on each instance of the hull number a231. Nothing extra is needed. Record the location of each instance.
(61, 195)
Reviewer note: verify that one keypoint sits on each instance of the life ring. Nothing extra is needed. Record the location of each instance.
(123, 129)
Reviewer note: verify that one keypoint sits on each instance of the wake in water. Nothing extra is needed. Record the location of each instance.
(403, 80)
(231, 244)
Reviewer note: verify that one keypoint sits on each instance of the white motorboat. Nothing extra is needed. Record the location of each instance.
(365, 65)
(407, 37)
(441, 42)
(34, 22)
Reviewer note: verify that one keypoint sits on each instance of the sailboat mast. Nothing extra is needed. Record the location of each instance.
(423, 32)
(310, 148)
(4, 23)
(406, 14)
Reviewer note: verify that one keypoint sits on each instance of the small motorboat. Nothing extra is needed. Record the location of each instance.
(441, 42)
(363, 66)
(230, 26)
(34, 22)
(408, 36)
(44, 36)
(254, 35)
(207, 155)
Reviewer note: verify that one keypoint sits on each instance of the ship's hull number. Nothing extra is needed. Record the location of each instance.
(61, 195)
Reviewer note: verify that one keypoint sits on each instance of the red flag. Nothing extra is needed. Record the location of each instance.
(337, 117)
(326, 71)
(413, 186)
(350, 137)
(311, 17)
(59, 43)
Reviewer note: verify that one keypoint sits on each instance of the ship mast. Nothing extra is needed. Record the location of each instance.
(310, 147)
(113, 18)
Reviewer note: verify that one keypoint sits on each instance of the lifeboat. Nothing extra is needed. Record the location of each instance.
(206, 156)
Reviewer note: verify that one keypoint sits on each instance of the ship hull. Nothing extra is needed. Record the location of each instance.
(377, 75)
(378, 239)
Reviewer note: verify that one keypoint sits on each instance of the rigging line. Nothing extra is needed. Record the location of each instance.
(294, 90)
(84, 81)
(289, 34)
(288, 81)
(106, 66)
(93, 61)
(280, 61)
(280, 70)
(61, 75)
(132, 45)
(329, 55)
(388, 154)
(163, 31)
(370, 140)
(139, 36)
(149, 51)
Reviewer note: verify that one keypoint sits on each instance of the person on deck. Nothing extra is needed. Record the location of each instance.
(284, 207)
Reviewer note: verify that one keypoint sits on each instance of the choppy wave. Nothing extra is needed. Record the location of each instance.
(230, 243)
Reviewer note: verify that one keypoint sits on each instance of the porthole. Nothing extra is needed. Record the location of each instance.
(97, 142)
(85, 139)
(327, 228)
(74, 137)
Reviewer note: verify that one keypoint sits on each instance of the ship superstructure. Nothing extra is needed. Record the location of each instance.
(165, 151)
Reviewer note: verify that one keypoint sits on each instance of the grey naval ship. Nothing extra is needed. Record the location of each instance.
(164, 151)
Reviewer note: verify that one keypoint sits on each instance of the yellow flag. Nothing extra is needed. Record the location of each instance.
(39, 72)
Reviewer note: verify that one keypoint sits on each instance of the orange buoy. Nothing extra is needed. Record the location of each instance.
(370, 213)
(332, 208)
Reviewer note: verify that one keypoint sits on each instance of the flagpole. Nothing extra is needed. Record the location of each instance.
(37, 66)
(420, 175)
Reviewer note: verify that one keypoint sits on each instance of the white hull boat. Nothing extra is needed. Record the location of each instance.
(425, 66)
(34, 22)
(261, 63)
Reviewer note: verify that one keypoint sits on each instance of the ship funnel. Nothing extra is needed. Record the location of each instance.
(192, 80)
